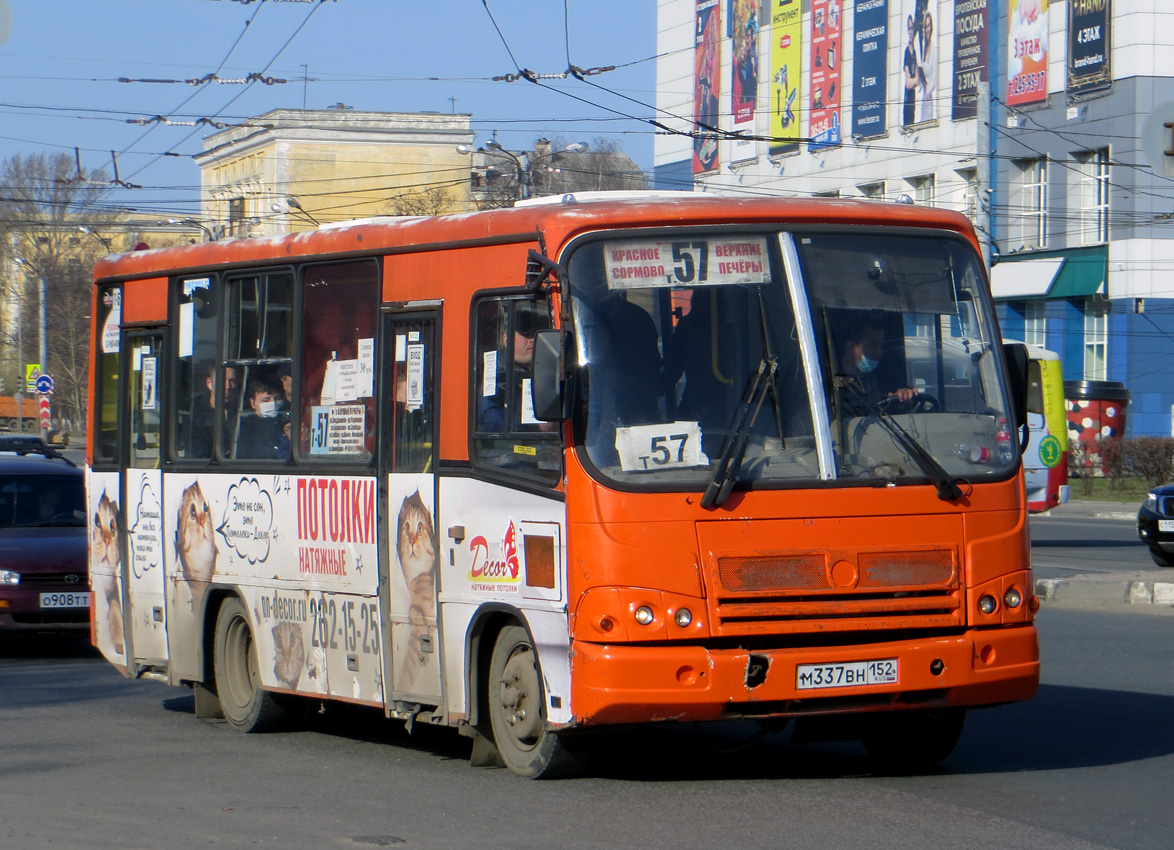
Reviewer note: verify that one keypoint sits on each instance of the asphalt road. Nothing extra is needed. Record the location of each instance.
(90, 760)
(1063, 546)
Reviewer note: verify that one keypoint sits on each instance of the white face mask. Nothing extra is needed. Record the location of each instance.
(865, 364)
(267, 409)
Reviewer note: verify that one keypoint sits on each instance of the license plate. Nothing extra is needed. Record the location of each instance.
(65, 600)
(1166, 525)
(850, 675)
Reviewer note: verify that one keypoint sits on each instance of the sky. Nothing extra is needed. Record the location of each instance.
(61, 62)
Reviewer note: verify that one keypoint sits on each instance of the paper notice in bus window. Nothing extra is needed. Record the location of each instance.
(489, 373)
(713, 261)
(366, 384)
(347, 429)
(651, 447)
(149, 398)
(113, 324)
(414, 398)
(346, 387)
(528, 417)
(400, 351)
(187, 324)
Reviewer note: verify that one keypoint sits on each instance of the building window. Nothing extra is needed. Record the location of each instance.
(1096, 326)
(873, 191)
(1031, 206)
(1094, 195)
(970, 194)
(236, 216)
(924, 190)
(1035, 322)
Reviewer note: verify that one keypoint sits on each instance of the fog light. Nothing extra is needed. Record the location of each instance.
(683, 617)
(644, 615)
(9, 577)
(606, 625)
(1013, 598)
(987, 605)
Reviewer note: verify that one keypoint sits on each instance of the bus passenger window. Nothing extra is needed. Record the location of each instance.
(196, 368)
(340, 307)
(507, 436)
(106, 377)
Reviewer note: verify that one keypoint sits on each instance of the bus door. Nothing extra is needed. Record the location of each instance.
(143, 578)
(409, 439)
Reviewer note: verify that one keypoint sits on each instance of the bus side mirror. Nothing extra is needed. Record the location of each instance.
(1017, 358)
(548, 388)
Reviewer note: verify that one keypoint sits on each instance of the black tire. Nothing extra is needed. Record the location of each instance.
(517, 711)
(1162, 558)
(913, 741)
(245, 704)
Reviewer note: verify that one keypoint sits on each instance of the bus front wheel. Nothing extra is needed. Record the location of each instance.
(912, 741)
(517, 711)
(246, 705)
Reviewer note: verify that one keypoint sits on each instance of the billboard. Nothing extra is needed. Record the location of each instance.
(971, 19)
(920, 62)
(706, 85)
(786, 59)
(1027, 52)
(870, 66)
(744, 87)
(1089, 45)
(824, 81)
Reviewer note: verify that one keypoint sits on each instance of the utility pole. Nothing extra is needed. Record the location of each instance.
(984, 189)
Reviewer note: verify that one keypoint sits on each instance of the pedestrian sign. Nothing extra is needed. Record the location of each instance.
(32, 371)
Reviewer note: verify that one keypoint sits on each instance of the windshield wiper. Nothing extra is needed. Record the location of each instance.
(726, 472)
(947, 487)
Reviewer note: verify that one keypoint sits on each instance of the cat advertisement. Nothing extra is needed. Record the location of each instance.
(416, 656)
(105, 550)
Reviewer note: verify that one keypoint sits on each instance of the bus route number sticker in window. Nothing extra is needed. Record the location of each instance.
(686, 262)
(665, 446)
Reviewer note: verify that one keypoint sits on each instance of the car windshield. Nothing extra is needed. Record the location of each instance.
(703, 364)
(32, 501)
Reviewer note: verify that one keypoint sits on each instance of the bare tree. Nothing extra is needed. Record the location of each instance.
(435, 201)
(45, 202)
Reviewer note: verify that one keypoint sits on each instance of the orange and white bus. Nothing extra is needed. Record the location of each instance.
(541, 471)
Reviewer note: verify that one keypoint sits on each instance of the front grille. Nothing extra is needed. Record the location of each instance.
(821, 592)
(70, 581)
(1166, 506)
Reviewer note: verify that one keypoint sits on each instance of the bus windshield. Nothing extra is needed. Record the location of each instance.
(777, 359)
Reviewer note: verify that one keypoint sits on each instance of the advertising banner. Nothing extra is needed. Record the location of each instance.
(744, 89)
(706, 85)
(971, 18)
(826, 58)
(870, 64)
(920, 62)
(786, 58)
(1027, 52)
(1089, 65)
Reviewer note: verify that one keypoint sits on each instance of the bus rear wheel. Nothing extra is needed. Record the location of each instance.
(517, 711)
(912, 741)
(246, 705)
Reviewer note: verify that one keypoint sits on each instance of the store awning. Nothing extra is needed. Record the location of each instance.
(1026, 278)
(1075, 273)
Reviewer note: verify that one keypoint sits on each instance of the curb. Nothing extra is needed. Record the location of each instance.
(1094, 589)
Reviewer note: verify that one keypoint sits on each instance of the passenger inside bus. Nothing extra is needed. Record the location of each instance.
(204, 407)
(264, 431)
(493, 413)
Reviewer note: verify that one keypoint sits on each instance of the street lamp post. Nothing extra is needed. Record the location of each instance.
(523, 164)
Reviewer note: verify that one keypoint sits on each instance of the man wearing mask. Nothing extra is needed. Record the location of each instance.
(860, 358)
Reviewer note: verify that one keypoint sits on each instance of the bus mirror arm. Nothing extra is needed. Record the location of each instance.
(541, 269)
(1017, 358)
(548, 387)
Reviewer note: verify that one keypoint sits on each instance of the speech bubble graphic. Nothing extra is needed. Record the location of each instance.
(146, 542)
(248, 520)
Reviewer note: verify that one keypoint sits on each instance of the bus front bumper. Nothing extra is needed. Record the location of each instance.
(616, 684)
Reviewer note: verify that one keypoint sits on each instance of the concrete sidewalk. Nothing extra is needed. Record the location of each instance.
(1148, 589)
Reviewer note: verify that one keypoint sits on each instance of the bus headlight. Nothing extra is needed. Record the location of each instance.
(987, 604)
(643, 615)
(1013, 597)
(683, 617)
